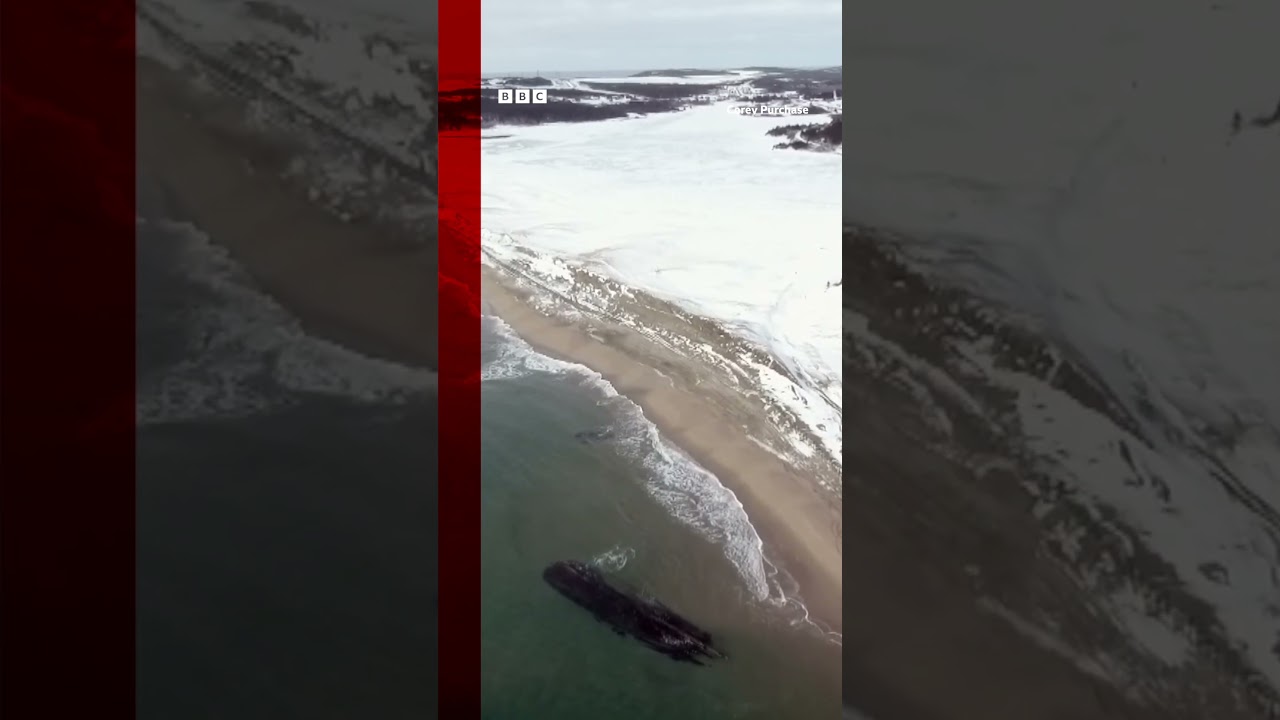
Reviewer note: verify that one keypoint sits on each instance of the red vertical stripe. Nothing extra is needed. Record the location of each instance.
(459, 276)
(67, 359)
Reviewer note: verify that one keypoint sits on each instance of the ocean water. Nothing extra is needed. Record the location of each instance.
(648, 517)
(286, 504)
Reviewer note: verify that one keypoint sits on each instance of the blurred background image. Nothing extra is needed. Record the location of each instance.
(286, 344)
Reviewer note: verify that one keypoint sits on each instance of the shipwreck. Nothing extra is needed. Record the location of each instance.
(630, 614)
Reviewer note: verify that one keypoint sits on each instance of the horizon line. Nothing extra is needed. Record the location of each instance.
(725, 68)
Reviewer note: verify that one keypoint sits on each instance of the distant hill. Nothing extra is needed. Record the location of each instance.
(588, 100)
(677, 72)
(525, 81)
(495, 113)
(655, 90)
(812, 83)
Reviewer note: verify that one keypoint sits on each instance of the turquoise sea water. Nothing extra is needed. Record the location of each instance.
(649, 518)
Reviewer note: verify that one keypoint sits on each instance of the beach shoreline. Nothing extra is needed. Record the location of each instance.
(798, 522)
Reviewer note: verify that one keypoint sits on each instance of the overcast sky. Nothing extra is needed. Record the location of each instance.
(567, 35)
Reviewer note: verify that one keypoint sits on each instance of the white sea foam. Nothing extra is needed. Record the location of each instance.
(242, 337)
(614, 559)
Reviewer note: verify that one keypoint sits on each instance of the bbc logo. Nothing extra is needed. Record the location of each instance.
(522, 96)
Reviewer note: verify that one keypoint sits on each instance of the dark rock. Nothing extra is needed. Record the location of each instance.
(628, 614)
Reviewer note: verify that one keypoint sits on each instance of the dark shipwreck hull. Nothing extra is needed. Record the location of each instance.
(644, 619)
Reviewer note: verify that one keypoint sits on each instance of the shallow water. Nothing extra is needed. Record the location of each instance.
(549, 496)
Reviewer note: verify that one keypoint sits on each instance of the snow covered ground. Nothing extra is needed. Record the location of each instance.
(695, 208)
(1083, 170)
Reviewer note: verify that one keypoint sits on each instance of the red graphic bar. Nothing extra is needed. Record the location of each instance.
(459, 291)
(67, 359)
